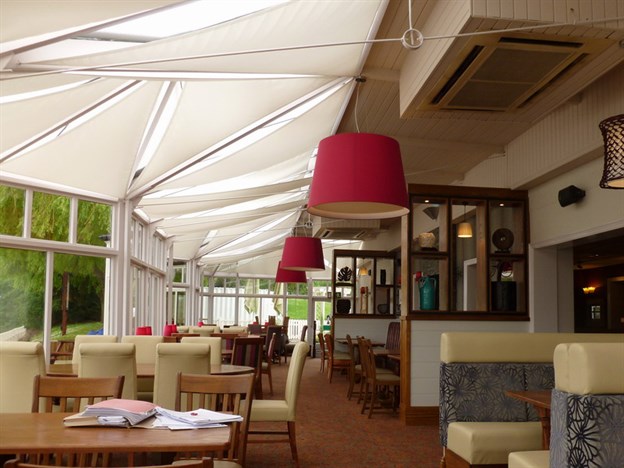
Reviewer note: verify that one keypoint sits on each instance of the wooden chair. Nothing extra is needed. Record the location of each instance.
(272, 411)
(248, 352)
(374, 381)
(355, 368)
(20, 362)
(321, 340)
(110, 360)
(223, 393)
(73, 394)
(336, 360)
(267, 362)
(279, 343)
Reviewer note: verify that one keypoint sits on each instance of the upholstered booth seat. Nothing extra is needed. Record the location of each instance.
(533, 459)
(489, 443)
(479, 423)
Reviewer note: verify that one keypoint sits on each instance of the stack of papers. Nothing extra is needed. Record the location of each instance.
(196, 419)
(129, 413)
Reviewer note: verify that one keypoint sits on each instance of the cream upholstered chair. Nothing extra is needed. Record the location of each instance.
(283, 410)
(110, 360)
(89, 339)
(20, 362)
(201, 331)
(145, 346)
(171, 358)
(213, 341)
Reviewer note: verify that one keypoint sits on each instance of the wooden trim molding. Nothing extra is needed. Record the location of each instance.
(421, 416)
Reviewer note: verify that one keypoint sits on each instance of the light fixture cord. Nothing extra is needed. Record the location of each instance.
(359, 80)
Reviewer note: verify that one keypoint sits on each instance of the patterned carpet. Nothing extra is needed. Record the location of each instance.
(331, 432)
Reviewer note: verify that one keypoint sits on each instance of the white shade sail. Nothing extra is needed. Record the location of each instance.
(210, 132)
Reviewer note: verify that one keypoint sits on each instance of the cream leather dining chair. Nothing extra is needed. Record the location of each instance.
(145, 346)
(20, 362)
(171, 358)
(89, 339)
(110, 360)
(282, 410)
(213, 341)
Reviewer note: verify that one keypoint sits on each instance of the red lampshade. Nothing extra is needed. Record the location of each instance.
(289, 276)
(358, 176)
(303, 254)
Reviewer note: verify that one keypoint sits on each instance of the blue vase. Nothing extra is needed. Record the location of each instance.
(428, 288)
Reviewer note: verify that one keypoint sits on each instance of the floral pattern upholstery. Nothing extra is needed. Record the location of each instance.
(587, 431)
(476, 391)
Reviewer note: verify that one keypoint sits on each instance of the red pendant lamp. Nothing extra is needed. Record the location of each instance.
(303, 254)
(289, 276)
(358, 176)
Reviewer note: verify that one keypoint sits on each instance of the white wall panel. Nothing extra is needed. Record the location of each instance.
(425, 353)
(548, 10)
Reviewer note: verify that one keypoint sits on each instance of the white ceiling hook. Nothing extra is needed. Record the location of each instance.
(412, 39)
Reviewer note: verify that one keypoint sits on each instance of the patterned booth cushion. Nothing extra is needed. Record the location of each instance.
(587, 430)
(475, 392)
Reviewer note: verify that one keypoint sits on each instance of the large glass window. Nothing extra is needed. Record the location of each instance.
(50, 217)
(12, 208)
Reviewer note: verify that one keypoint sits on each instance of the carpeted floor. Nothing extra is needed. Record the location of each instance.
(331, 432)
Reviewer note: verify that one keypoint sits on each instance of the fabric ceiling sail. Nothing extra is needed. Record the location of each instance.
(230, 238)
(210, 111)
(23, 19)
(203, 224)
(22, 120)
(298, 22)
(298, 136)
(91, 150)
(177, 206)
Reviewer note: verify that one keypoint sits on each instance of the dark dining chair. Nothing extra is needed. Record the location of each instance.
(248, 352)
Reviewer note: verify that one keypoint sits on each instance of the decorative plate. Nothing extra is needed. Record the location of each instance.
(503, 239)
(345, 274)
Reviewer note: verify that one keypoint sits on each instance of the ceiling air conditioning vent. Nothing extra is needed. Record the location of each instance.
(504, 73)
(337, 229)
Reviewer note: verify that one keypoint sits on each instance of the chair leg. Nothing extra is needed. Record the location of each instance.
(293, 442)
(373, 400)
(270, 382)
(330, 369)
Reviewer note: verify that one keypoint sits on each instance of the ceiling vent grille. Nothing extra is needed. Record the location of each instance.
(503, 73)
(325, 228)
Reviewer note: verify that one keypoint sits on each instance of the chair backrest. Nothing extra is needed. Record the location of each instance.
(248, 352)
(171, 358)
(254, 329)
(220, 393)
(321, 340)
(89, 339)
(329, 345)
(271, 350)
(20, 362)
(304, 333)
(213, 341)
(351, 348)
(363, 347)
(201, 331)
(73, 393)
(393, 337)
(145, 347)
(293, 379)
(277, 330)
(110, 360)
(271, 320)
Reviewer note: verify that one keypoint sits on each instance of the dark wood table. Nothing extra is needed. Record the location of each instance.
(147, 370)
(29, 433)
(540, 399)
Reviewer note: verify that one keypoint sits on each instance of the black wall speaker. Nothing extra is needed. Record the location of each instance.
(570, 195)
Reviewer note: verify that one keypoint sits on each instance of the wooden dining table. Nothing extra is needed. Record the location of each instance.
(44, 433)
(540, 399)
(67, 369)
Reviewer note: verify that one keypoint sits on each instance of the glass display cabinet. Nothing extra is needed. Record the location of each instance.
(467, 250)
(364, 282)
